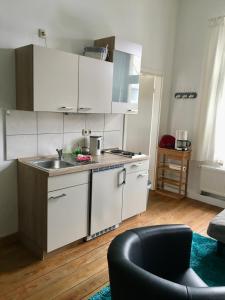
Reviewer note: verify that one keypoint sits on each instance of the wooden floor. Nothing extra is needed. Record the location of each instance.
(80, 270)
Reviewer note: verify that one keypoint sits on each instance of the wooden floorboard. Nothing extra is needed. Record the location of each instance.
(80, 270)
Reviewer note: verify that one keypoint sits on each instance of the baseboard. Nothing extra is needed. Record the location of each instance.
(9, 239)
(206, 199)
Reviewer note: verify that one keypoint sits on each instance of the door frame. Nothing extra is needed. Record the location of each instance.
(155, 123)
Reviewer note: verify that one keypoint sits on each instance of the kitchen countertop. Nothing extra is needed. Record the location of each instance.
(100, 161)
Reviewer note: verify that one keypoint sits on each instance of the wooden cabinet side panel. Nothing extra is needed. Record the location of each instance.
(24, 78)
(32, 205)
(110, 41)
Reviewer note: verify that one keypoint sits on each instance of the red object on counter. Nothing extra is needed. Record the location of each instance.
(81, 157)
(167, 141)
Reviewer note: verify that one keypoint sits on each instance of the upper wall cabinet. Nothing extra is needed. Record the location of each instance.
(126, 57)
(46, 79)
(95, 85)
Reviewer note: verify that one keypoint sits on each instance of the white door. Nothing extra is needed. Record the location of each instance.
(55, 80)
(95, 85)
(142, 130)
(135, 194)
(106, 201)
(67, 216)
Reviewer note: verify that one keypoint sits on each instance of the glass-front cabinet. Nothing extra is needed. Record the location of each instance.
(126, 74)
(126, 58)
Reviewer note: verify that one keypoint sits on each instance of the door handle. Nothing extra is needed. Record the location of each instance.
(66, 107)
(136, 165)
(124, 173)
(142, 175)
(124, 176)
(57, 197)
(132, 110)
(84, 108)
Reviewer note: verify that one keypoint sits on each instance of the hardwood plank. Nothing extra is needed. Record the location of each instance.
(53, 282)
(94, 292)
(80, 270)
(87, 287)
(30, 272)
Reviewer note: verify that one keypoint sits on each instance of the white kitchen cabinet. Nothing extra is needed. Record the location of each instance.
(95, 85)
(126, 58)
(67, 216)
(53, 210)
(46, 79)
(135, 194)
(137, 166)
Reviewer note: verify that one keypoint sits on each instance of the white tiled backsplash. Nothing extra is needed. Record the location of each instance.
(31, 133)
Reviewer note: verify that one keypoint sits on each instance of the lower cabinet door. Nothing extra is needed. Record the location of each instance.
(67, 216)
(135, 194)
(106, 202)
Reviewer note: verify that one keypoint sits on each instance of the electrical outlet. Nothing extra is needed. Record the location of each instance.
(42, 33)
(86, 132)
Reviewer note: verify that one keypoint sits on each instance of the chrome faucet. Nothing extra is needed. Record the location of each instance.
(60, 153)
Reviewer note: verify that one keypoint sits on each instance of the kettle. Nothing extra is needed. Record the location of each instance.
(95, 145)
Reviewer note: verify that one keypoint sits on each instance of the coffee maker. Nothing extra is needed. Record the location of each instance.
(182, 143)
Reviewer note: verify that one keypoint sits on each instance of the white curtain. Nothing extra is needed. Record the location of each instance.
(211, 118)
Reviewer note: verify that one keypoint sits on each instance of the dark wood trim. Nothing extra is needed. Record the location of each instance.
(110, 41)
(32, 208)
(24, 78)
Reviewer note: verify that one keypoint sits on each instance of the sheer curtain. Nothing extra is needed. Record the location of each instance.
(211, 125)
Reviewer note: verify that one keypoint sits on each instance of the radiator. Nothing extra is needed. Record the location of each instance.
(212, 180)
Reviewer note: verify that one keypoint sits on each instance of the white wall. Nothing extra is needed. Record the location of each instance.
(191, 38)
(70, 26)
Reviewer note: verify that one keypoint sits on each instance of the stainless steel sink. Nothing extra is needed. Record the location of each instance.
(59, 164)
(53, 164)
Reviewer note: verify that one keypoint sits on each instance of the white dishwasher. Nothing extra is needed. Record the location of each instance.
(106, 199)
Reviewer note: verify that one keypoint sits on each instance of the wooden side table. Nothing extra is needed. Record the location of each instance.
(172, 172)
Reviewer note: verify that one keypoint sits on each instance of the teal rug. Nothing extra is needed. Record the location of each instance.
(204, 261)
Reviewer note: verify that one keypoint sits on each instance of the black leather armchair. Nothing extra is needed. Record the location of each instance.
(154, 263)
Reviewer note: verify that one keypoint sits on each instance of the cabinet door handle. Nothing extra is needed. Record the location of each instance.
(136, 165)
(56, 197)
(84, 108)
(143, 175)
(132, 110)
(124, 176)
(66, 107)
(124, 173)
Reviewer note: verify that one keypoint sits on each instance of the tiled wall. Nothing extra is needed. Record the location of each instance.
(31, 133)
